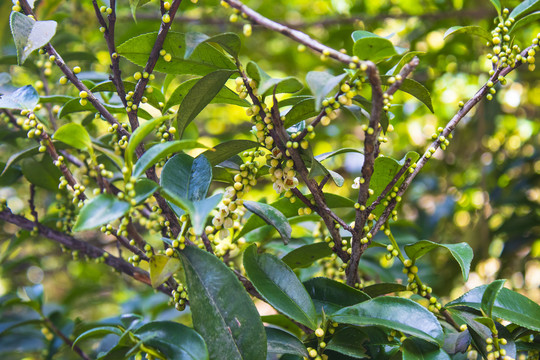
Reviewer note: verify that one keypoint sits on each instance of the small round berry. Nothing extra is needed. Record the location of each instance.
(77, 69)
(166, 18)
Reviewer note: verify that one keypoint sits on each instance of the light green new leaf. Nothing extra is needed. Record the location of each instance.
(41, 173)
(303, 110)
(393, 313)
(509, 305)
(321, 83)
(101, 210)
(497, 6)
(368, 46)
(471, 30)
(490, 295)
(74, 135)
(230, 42)
(271, 216)
(161, 268)
(414, 88)
(199, 96)
(204, 59)
(222, 311)
(278, 284)
(462, 252)
(29, 34)
(266, 83)
(23, 98)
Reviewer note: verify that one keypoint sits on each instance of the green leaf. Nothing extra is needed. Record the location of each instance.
(29, 35)
(414, 349)
(305, 256)
(405, 59)
(533, 17)
(525, 7)
(52, 99)
(266, 83)
(490, 295)
(230, 42)
(321, 83)
(22, 98)
(462, 252)
(305, 109)
(74, 135)
(138, 136)
(385, 169)
(331, 296)
(497, 5)
(74, 106)
(383, 289)
(470, 30)
(161, 268)
(372, 47)
(101, 210)
(457, 342)
(508, 305)
(330, 154)
(414, 88)
(278, 284)
(98, 332)
(228, 149)
(281, 342)
(35, 294)
(204, 59)
(9, 175)
(186, 177)
(271, 216)
(41, 173)
(200, 178)
(153, 94)
(348, 341)
(134, 5)
(144, 188)
(283, 322)
(224, 96)
(290, 210)
(23, 154)
(160, 151)
(222, 311)
(173, 340)
(393, 313)
(199, 96)
(203, 208)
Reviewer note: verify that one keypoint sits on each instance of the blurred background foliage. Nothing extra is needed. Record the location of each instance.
(485, 189)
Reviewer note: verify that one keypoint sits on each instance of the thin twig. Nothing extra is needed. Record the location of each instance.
(64, 338)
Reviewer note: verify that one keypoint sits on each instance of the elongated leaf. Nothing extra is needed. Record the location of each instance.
(23, 154)
(525, 7)
(404, 60)
(228, 149)
(41, 173)
(203, 208)
(161, 268)
(176, 174)
(200, 178)
(160, 151)
(230, 42)
(349, 341)
(414, 88)
(533, 17)
(224, 96)
(282, 342)
(470, 30)
(52, 99)
(271, 216)
(266, 84)
(98, 332)
(321, 83)
(305, 109)
(291, 210)
(393, 313)
(173, 340)
(278, 284)
(457, 342)
(306, 255)
(138, 136)
(331, 154)
(283, 322)
(490, 295)
(20, 99)
(74, 135)
(462, 252)
(29, 34)
(331, 296)
(199, 96)
(497, 5)
(204, 59)
(101, 210)
(508, 305)
(414, 349)
(374, 48)
(222, 311)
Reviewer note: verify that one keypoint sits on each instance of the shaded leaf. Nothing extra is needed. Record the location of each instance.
(306, 255)
(282, 342)
(372, 47)
(349, 341)
(331, 296)
(490, 295)
(101, 210)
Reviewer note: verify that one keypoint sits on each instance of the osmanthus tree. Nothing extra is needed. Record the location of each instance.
(111, 178)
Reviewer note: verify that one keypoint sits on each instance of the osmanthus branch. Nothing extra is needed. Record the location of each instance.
(75, 80)
(85, 248)
(449, 127)
(152, 60)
